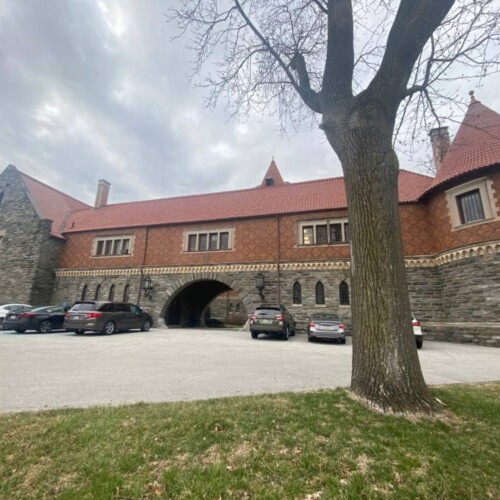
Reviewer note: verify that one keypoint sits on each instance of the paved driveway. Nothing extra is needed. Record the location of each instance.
(40, 371)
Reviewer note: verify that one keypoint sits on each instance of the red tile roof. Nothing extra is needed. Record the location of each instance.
(300, 197)
(475, 146)
(51, 203)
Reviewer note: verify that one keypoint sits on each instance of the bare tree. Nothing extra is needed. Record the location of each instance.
(356, 63)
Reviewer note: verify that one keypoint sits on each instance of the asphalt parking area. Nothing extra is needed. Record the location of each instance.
(60, 369)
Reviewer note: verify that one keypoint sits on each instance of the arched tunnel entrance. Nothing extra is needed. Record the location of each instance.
(205, 303)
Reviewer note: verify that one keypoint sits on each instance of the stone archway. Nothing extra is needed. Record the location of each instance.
(190, 297)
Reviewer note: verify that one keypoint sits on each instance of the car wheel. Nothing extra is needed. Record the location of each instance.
(286, 333)
(254, 334)
(79, 332)
(109, 328)
(310, 339)
(44, 326)
(20, 330)
(420, 343)
(292, 333)
(146, 326)
(342, 341)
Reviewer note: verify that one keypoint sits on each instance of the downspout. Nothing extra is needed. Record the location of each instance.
(142, 265)
(278, 259)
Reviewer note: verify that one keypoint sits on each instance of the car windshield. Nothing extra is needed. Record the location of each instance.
(325, 317)
(85, 306)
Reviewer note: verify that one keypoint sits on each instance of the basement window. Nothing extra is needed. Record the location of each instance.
(108, 246)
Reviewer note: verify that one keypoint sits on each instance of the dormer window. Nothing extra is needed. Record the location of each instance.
(269, 181)
(471, 203)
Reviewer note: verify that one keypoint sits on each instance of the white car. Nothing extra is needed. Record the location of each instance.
(8, 308)
(417, 331)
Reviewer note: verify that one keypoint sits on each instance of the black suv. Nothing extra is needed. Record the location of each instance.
(106, 317)
(272, 320)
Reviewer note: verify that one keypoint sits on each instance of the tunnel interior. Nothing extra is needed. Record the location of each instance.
(205, 303)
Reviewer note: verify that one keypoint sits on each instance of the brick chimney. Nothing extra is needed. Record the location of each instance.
(101, 197)
(440, 140)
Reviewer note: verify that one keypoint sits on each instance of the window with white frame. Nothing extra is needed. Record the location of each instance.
(324, 232)
(471, 203)
(203, 241)
(112, 246)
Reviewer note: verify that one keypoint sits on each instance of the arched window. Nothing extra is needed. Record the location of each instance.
(297, 293)
(237, 307)
(230, 307)
(111, 295)
(97, 291)
(344, 294)
(320, 293)
(84, 292)
(126, 293)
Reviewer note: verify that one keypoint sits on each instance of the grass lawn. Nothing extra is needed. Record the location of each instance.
(298, 446)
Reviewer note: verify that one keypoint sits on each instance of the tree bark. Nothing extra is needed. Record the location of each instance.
(386, 371)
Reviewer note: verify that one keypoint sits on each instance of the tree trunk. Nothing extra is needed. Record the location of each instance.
(386, 371)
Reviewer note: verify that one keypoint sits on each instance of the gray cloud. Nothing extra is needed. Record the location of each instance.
(94, 89)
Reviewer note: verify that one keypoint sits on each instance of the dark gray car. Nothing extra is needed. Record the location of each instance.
(106, 317)
(272, 320)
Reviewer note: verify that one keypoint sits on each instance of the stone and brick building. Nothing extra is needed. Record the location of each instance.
(276, 242)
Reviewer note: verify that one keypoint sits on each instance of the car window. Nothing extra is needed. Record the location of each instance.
(120, 307)
(109, 307)
(325, 317)
(84, 306)
(267, 310)
(135, 309)
(43, 309)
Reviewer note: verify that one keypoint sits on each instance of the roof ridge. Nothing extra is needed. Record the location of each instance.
(201, 195)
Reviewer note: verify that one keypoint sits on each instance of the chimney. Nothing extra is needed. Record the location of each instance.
(101, 197)
(440, 140)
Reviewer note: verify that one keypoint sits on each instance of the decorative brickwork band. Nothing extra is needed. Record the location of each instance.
(433, 261)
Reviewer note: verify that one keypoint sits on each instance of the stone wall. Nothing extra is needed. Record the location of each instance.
(28, 254)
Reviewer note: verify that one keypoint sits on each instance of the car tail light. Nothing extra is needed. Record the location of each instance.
(312, 324)
(279, 317)
(416, 323)
(342, 327)
(92, 315)
(27, 315)
(67, 315)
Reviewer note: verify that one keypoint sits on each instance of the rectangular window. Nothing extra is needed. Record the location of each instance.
(321, 234)
(324, 232)
(224, 241)
(470, 206)
(213, 242)
(336, 233)
(308, 235)
(202, 242)
(192, 242)
(202, 245)
(107, 246)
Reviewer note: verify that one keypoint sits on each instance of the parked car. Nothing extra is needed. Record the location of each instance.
(42, 319)
(325, 325)
(106, 317)
(7, 308)
(272, 320)
(417, 331)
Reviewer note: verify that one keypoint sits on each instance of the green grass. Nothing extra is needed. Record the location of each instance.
(297, 446)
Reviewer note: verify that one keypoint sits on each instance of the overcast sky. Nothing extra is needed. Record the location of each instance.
(93, 89)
